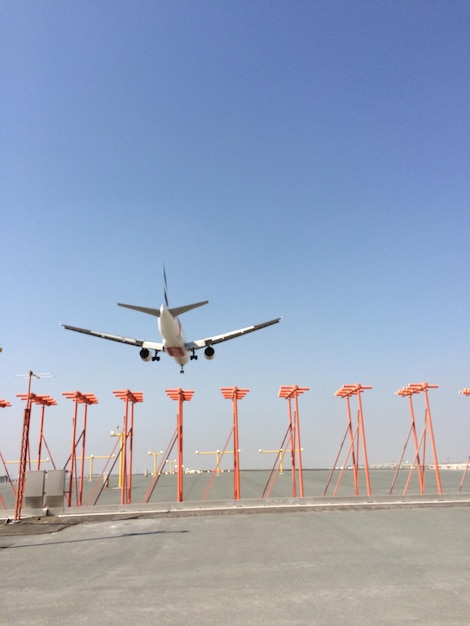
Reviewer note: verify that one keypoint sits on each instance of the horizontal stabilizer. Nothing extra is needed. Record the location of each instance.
(175, 311)
(142, 309)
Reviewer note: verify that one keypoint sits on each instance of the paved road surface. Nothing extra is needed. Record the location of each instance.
(354, 567)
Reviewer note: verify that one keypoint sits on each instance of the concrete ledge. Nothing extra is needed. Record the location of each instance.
(231, 507)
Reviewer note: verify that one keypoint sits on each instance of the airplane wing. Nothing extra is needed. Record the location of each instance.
(151, 345)
(210, 341)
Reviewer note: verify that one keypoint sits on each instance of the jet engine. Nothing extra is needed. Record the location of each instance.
(209, 353)
(145, 354)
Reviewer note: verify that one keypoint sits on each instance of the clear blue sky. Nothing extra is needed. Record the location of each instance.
(303, 159)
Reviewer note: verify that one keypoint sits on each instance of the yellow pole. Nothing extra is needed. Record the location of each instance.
(155, 456)
(171, 462)
(121, 437)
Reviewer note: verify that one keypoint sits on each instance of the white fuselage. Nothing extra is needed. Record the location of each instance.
(172, 335)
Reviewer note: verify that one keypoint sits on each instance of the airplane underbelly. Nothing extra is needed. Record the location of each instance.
(179, 353)
(174, 346)
(173, 339)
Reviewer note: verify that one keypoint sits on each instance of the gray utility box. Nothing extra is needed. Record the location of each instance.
(34, 490)
(55, 484)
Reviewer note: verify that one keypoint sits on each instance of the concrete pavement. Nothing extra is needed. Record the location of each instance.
(356, 567)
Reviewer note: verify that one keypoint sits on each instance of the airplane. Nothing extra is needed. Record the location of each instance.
(171, 331)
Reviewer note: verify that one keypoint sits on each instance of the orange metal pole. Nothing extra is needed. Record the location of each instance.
(292, 448)
(298, 444)
(356, 438)
(82, 469)
(3, 405)
(415, 388)
(130, 398)
(236, 453)
(23, 453)
(23, 462)
(235, 394)
(292, 392)
(352, 449)
(465, 392)
(41, 426)
(44, 401)
(409, 392)
(431, 435)
(415, 439)
(72, 469)
(86, 399)
(364, 446)
(131, 447)
(180, 396)
(124, 455)
(180, 448)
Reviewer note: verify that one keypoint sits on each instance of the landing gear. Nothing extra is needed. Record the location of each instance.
(156, 357)
(193, 355)
(182, 369)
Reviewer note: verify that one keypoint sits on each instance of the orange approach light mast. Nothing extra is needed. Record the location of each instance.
(24, 449)
(180, 396)
(86, 399)
(291, 393)
(465, 392)
(235, 394)
(43, 401)
(127, 436)
(356, 437)
(3, 405)
(419, 459)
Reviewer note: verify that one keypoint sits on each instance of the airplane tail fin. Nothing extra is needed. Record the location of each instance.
(165, 287)
(175, 311)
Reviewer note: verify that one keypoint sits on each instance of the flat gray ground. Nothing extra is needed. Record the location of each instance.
(355, 567)
(253, 484)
